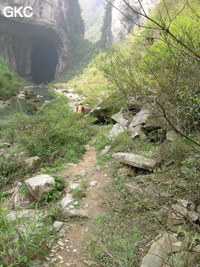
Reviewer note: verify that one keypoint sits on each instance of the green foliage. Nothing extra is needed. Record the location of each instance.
(100, 142)
(11, 166)
(55, 193)
(22, 238)
(60, 182)
(165, 62)
(79, 192)
(53, 134)
(54, 130)
(181, 163)
(8, 82)
(92, 83)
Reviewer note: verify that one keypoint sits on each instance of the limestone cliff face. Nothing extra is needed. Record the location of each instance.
(37, 47)
(116, 25)
(93, 13)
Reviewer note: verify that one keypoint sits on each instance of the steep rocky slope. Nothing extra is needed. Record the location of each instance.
(37, 47)
(92, 13)
(117, 23)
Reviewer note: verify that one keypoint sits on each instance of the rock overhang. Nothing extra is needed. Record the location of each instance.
(37, 47)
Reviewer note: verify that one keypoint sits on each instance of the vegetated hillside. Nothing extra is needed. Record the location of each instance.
(81, 53)
(160, 59)
(158, 67)
(93, 13)
(8, 82)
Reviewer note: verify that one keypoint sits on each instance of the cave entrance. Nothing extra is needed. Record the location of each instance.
(44, 59)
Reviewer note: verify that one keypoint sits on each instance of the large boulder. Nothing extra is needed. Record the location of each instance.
(148, 124)
(135, 160)
(40, 185)
(140, 118)
(115, 131)
(104, 111)
(137, 132)
(119, 118)
(32, 162)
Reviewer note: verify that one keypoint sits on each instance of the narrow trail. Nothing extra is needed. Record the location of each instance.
(72, 250)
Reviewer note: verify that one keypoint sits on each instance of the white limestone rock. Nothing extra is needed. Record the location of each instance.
(135, 160)
(40, 185)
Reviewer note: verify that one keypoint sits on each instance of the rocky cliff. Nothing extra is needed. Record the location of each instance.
(37, 47)
(93, 13)
(117, 23)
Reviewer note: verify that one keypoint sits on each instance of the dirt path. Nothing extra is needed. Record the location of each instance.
(70, 251)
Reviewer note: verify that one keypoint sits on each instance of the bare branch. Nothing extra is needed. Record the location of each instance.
(161, 27)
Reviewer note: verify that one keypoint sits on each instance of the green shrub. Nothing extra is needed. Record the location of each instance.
(54, 132)
(8, 82)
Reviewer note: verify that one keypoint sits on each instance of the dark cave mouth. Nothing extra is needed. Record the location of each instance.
(44, 60)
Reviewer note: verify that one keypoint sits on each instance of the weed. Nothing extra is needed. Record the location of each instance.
(113, 243)
(101, 141)
(23, 237)
(78, 193)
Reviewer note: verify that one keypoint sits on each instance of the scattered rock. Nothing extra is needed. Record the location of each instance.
(196, 249)
(159, 251)
(90, 263)
(94, 183)
(140, 118)
(40, 185)
(75, 213)
(186, 204)
(135, 160)
(73, 186)
(60, 243)
(4, 145)
(193, 216)
(115, 131)
(99, 168)
(66, 201)
(32, 162)
(36, 263)
(57, 226)
(176, 246)
(14, 215)
(198, 208)
(162, 215)
(137, 132)
(80, 175)
(105, 150)
(171, 136)
(176, 217)
(179, 211)
(119, 118)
